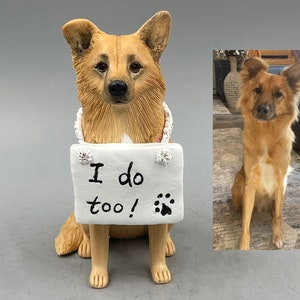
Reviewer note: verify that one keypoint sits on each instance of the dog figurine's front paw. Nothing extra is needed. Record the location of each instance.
(278, 241)
(98, 278)
(161, 274)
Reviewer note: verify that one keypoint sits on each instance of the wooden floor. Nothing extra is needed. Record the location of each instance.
(227, 121)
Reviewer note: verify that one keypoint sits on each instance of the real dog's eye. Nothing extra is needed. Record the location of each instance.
(278, 94)
(102, 67)
(257, 90)
(135, 67)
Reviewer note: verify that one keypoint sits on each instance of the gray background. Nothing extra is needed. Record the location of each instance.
(38, 105)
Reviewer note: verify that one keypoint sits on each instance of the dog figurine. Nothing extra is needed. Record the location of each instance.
(269, 105)
(121, 90)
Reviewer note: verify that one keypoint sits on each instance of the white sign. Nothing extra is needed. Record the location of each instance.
(127, 184)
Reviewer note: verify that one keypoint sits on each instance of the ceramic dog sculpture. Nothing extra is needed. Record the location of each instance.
(121, 90)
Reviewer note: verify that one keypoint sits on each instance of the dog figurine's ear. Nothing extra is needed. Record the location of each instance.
(251, 67)
(292, 75)
(155, 33)
(79, 33)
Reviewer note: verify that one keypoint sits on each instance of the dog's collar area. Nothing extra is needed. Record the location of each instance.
(166, 134)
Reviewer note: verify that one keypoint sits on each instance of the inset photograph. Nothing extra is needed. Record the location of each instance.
(256, 149)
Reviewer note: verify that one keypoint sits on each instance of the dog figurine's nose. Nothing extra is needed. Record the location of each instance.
(118, 88)
(264, 112)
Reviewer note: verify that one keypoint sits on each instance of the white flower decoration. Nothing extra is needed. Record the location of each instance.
(84, 156)
(164, 156)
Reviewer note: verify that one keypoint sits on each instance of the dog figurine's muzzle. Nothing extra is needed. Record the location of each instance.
(118, 90)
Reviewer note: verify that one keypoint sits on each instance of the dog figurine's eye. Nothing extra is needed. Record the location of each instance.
(135, 67)
(102, 67)
(278, 94)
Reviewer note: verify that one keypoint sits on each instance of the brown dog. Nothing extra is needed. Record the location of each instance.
(268, 104)
(121, 90)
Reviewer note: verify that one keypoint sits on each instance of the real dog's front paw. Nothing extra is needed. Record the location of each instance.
(98, 278)
(161, 274)
(245, 243)
(244, 247)
(278, 240)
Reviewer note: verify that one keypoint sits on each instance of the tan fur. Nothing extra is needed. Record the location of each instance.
(267, 143)
(99, 59)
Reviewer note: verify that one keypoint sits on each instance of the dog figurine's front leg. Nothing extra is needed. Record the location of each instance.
(99, 235)
(157, 243)
(277, 238)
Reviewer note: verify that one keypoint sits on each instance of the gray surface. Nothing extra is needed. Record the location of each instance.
(38, 105)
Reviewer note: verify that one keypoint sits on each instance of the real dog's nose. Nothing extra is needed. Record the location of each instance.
(264, 111)
(118, 88)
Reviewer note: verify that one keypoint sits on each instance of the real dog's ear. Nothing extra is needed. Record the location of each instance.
(292, 75)
(155, 33)
(252, 66)
(78, 33)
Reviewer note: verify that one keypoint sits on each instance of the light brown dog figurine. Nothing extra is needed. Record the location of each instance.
(121, 90)
(268, 104)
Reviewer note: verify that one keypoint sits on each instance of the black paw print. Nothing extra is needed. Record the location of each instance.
(165, 209)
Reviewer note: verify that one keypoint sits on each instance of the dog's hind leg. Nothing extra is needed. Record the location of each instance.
(99, 253)
(277, 238)
(69, 237)
(157, 243)
(237, 189)
(84, 249)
